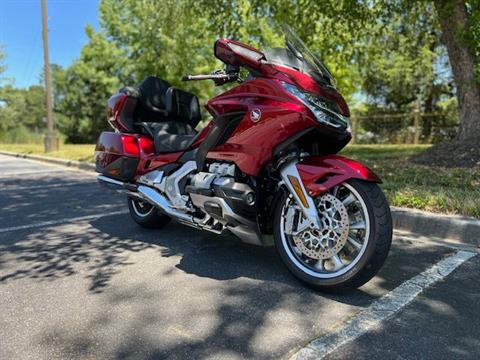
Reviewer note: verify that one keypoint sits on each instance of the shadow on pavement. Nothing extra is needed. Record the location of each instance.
(220, 298)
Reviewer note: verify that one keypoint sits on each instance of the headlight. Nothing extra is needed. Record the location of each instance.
(324, 110)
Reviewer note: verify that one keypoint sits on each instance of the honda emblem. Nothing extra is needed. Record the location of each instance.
(255, 115)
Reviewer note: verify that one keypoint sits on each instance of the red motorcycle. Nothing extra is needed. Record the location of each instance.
(263, 169)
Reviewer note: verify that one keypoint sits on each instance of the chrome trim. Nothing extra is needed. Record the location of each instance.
(172, 189)
(153, 178)
(158, 200)
(202, 180)
(311, 212)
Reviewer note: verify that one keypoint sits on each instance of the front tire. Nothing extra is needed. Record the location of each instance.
(352, 245)
(146, 215)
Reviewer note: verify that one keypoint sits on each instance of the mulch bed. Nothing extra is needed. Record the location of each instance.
(453, 153)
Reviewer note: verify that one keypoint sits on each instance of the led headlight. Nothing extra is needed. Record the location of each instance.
(324, 110)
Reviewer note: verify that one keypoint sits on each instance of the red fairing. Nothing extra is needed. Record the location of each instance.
(152, 161)
(307, 83)
(149, 160)
(115, 106)
(252, 143)
(236, 53)
(321, 173)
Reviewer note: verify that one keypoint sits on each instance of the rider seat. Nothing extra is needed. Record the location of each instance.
(167, 114)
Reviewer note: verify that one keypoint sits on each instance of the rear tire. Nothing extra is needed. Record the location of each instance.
(146, 215)
(371, 253)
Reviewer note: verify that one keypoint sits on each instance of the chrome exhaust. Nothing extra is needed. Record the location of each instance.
(147, 194)
(246, 230)
(158, 200)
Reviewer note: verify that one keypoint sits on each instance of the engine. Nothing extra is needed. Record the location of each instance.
(218, 194)
(212, 200)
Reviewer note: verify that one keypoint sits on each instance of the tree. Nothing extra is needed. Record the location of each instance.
(460, 22)
(22, 108)
(167, 39)
(330, 28)
(82, 90)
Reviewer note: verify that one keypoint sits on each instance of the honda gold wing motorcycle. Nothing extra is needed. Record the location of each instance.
(264, 169)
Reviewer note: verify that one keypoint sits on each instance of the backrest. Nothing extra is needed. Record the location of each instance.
(183, 106)
(152, 103)
(154, 100)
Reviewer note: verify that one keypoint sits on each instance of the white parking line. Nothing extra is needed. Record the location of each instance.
(62, 221)
(382, 309)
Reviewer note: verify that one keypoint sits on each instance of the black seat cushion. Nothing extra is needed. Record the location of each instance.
(165, 142)
(172, 136)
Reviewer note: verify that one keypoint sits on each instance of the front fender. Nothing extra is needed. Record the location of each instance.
(321, 173)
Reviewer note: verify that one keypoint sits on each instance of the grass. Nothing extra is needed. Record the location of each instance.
(450, 191)
(83, 152)
(436, 189)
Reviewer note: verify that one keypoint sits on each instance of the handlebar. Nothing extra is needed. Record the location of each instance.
(224, 77)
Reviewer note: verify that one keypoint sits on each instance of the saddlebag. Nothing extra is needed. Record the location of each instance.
(117, 155)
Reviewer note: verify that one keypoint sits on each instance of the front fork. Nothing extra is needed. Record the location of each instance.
(292, 180)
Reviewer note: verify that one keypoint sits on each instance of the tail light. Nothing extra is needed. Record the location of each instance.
(130, 145)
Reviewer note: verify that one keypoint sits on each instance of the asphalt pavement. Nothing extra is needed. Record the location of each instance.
(80, 280)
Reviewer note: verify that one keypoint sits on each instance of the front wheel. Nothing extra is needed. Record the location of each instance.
(351, 245)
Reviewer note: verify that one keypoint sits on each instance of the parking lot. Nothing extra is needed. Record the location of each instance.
(79, 279)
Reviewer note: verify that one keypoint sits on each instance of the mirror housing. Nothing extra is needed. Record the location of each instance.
(235, 53)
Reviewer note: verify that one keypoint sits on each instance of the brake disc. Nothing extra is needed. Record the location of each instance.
(327, 241)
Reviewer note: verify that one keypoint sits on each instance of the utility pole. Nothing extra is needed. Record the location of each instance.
(51, 139)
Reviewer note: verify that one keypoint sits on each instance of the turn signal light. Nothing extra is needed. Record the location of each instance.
(298, 190)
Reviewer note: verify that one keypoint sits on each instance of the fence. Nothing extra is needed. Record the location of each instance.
(405, 128)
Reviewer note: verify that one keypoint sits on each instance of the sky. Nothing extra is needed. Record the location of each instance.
(21, 34)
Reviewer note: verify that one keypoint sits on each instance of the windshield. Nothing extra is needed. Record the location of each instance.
(298, 56)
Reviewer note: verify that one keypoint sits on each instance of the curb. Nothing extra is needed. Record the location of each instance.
(449, 228)
(438, 227)
(57, 161)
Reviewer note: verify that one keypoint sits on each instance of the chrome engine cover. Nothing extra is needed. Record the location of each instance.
(222, 169)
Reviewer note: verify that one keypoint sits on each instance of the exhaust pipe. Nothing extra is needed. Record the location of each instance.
(147, 194)
(158, 200)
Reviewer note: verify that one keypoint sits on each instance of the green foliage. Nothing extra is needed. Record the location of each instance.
(21, 106)
(387, 56)
(398, 60)
(22, 135)
(167, 38)
(81, 91)
(473, 36)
